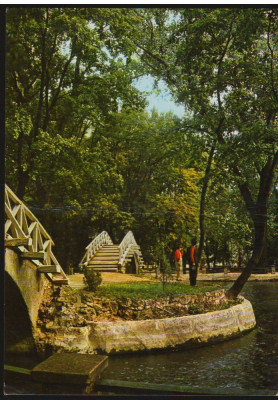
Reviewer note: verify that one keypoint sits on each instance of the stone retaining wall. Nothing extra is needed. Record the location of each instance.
(74, 329)
(172, 333)
(100, 309)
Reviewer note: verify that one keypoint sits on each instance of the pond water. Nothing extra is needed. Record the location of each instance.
(248, 362)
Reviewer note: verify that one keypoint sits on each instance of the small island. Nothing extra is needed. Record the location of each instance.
(138, 317)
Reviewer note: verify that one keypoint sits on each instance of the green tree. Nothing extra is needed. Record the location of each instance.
(158, 197)
(222, 64)
(60, 80)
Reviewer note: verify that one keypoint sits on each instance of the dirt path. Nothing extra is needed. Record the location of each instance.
(76, 280)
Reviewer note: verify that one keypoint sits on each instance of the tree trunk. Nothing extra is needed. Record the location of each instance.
(264, 257)
(239, 260)
(22, 183)
(202, 203)
(258, 213)
(260, 231)
(215, 254)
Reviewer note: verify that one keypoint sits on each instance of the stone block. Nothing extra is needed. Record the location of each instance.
(70, 368)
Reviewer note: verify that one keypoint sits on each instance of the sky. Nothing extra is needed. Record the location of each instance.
(162, 101)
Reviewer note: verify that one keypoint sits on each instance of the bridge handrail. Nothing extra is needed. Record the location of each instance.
(127, 245)
(95, 245)
(22, 223)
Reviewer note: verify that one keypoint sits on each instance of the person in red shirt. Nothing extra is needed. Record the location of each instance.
(178, 262)
(192, 263)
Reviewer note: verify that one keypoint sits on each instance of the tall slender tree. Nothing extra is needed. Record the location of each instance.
(222, 64)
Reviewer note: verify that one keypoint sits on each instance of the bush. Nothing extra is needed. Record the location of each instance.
(165, 269)
(92, 279)
(195, 309)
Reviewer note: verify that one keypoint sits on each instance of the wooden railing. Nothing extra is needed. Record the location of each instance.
(100, 240)
(23, 230)
(128, 248)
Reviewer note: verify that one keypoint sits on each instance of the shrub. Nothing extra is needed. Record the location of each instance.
(195, 309)
(165, 269)
(92, 279)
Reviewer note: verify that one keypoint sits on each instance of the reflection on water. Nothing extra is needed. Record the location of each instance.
(250, 361)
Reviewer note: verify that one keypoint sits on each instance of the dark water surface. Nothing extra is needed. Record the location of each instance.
(249, 362)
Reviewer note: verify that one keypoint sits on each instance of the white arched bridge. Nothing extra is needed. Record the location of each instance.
(30, 265)
(102, 255)
(25, 235)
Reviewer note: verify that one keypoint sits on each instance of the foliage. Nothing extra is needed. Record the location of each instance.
(92, 279)
(166, 273)
(228, 225)
(195, 309)
(85, 156)
(221, 63)
(60, 80)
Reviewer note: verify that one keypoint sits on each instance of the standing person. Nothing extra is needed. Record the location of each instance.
(192, 262)
(184, 261)
(178, 262)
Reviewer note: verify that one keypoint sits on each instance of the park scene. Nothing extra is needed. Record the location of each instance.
(141, 200)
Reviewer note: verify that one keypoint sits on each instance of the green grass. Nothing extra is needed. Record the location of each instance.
(151, 290)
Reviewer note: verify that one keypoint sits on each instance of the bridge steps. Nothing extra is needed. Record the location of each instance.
(106, 262)
(26, 236)
(105, 259)
(18, 245)
(58, 279)
(102, 255)
(105, 269)
(108, 253)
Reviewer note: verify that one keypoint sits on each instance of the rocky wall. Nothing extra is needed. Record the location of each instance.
(171, 333)
(83, 322)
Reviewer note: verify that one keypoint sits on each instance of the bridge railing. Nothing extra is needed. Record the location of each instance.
(100, 240)
(22, 224)
(129, 247)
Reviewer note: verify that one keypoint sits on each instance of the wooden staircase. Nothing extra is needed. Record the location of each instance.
(105, 259)
(102, 255)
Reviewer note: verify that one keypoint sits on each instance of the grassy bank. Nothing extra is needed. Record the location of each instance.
(152, 290)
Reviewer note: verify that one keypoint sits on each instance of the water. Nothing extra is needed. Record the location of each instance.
(248, 362)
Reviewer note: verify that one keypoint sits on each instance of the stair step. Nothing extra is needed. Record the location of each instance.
(47, 268)
(110, 269)
(104, 267)
(34, 255)
(103, 263)
(106, 254)
(108, 251)
(98, 258)
(59, 280)
(14, 242)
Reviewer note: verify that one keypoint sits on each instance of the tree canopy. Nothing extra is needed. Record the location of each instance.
(83, 152)
(222, 64)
